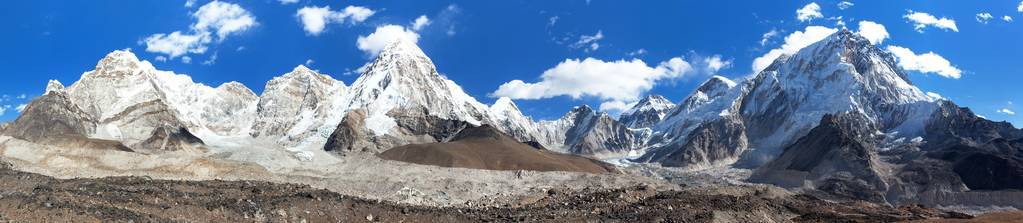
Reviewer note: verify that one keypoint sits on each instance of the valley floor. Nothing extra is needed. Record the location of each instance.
(34, 197)
(244, 182)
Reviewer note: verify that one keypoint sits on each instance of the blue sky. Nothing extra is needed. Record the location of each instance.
(483, 45)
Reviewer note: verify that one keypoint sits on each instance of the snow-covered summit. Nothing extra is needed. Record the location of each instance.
(299, 107)
(54, 86)
(403, 77)
(647, 112)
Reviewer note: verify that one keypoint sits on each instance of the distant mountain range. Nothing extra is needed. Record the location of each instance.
(838, 117)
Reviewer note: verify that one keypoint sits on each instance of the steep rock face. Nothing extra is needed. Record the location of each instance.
(406, 101)
(952, 125)
(838, 156)
(51, 114)
(509, 118)
(132, 103)
(594, 133)
(712, 143)
(841, 73)
(53, 120)
(701, 131)
(647, 112)
(300, 107)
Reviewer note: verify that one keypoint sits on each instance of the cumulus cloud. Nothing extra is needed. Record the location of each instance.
(793, 43)
(1020, 7)
(713, 64)
(929, 62)
(189, 3)
(176, 44)
(621, 80)
(589, 43)
(386, 34)
(21, 108)
(285, 2)
(215, 18)
(1006, 111)
(984, 17)
(843, 5)
(1007, 18)
(315, 19)
(874, 32)
(186, 59)
(809, 12)
(922, 20)
(420, 22)
(223, 19)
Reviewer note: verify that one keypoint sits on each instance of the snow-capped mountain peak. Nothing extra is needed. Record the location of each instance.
(646, 112)
(403, 77)
(299, 107)
(54, 86)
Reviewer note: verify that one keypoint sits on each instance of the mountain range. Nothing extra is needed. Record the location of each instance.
(838, 117)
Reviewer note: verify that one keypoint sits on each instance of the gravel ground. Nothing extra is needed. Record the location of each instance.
(37, 198)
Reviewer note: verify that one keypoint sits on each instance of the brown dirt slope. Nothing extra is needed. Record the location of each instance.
(485, 147)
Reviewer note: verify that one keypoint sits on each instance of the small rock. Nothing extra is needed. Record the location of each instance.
(369, 217)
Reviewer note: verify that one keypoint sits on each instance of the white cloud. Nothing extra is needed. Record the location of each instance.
(285, 2)
(638, 52)
(220, 18)
(309, 62)
(767, 36)
(223, 18)
(553, 20)
(793, 43)
(22, 96)
(616, 107)
(589, 42)
(315, 19)
(845, 5)
(713, 64)
(809, 12)
(3, 111)
(621, 80)
(921, 20)
(21, 108)
(161, 58)
(384, 35)
(189, 3)
(984, 17)
(176, 44)
(420, 22)
(1006, 111)
(929, 62)
(1020, 7)
(874, 32)
(186, 59)
(1007, 18)
(934, 95)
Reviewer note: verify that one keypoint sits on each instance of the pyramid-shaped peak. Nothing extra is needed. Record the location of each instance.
(121, 63)
(504, 103)
(54, 86)
(402, 46)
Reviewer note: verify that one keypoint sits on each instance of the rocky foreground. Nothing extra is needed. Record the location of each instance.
(33, 197)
